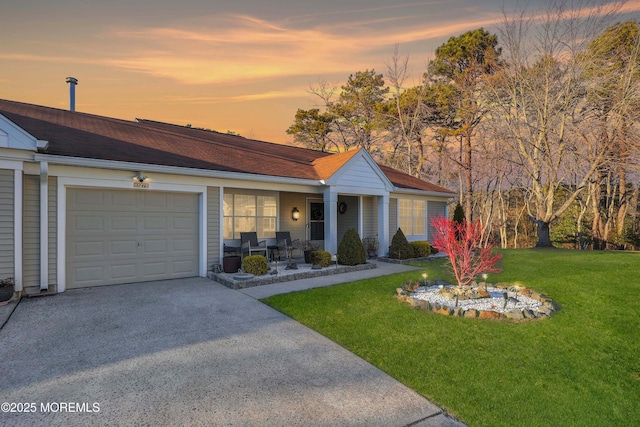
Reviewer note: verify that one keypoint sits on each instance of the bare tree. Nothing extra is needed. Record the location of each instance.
(406, 112)
(540, 91)
(612, 107)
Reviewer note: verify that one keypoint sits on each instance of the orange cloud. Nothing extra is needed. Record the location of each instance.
(50, 58)
(273, 94)
(245, 48)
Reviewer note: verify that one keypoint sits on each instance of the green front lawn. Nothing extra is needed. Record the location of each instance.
(581, 367)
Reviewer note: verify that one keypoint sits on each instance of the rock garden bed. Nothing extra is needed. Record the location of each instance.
(480, 300)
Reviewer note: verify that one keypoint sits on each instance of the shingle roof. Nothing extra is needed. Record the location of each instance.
(145, 141)
(328, 165)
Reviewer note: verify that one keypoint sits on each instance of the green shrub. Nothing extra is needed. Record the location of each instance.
(321, 258)
(255, 264)
(400, 247)
(458, 214)
(458, 217)
(351, 251)
(421, 248)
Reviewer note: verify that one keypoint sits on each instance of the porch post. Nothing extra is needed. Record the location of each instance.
(330, 220)
(383, 225)
(361, 217)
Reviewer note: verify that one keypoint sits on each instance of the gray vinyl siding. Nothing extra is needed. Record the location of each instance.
(361, 174)
(214, 233)
(370, 217)
(53, 230)
(7, 244)
(349, 219)
(434, 210)
(393, 217)
(31, 231)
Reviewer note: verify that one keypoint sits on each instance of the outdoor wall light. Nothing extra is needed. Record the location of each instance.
(295, 214)
(140, 177)
(140, 181)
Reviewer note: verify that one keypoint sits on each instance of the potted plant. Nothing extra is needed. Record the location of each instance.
(308, 246)
(6, 290)
(371, 245)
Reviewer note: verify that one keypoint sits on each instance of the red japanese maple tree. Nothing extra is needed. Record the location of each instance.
(462, 243)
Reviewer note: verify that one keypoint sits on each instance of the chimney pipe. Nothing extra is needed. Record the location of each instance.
(72, 92)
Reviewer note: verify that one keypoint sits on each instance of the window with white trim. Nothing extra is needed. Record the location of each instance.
(412, 215)
(249, 212)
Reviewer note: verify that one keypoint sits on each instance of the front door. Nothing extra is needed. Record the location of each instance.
(316, 219)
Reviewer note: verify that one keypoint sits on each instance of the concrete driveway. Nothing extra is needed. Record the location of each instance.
(186, 352)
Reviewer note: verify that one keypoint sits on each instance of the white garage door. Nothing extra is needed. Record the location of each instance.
(119, 236)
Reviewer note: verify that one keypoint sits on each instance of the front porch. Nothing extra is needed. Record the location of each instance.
(304, 215)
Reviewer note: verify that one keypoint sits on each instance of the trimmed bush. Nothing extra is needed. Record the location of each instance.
(255, 264)
(421, 248)
(458, 214)
(321, 258)
(400, 247)
(351, 251)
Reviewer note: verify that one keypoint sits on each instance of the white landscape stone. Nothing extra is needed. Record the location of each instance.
(494, 303)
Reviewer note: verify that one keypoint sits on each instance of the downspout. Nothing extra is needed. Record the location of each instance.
(44, 226)
(18, 221)
(204, 221)
(221, 225)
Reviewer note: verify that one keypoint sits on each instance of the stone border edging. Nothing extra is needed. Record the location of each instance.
(547, 309)
(268, 279)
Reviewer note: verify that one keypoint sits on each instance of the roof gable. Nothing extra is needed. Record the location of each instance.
(327, 166)
(353, 168)
(13, 136)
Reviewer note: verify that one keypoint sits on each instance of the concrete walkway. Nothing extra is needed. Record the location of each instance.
(382, 269)
(189, 352)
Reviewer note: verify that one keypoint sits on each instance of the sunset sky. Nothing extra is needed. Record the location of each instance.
(241, 65)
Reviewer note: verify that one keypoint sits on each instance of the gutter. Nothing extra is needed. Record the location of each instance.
(423, 192)
(203, 173)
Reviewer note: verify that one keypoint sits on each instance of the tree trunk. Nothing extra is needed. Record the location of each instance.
(596, 221)
(622, 189)
(468, 180)
(461, 173)
(544, 236)
(597, 232)
(622, 202)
